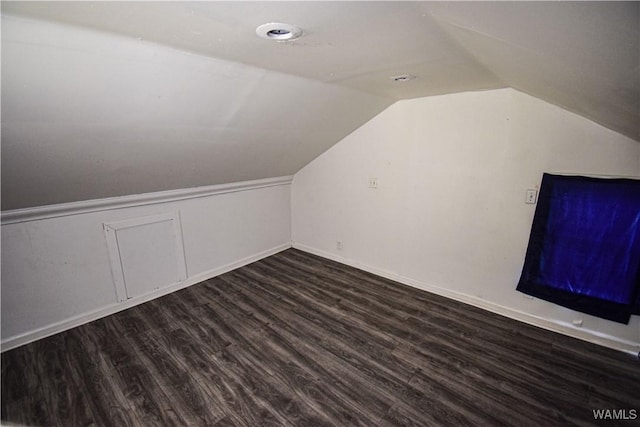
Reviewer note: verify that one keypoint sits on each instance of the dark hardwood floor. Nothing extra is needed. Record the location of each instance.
(297, 340)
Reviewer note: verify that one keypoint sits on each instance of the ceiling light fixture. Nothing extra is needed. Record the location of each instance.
(402, 78)
(278, 31)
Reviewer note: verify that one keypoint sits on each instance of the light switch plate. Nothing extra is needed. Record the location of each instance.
(531, 197)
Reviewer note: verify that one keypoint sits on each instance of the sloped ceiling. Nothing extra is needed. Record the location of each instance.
(104, 99)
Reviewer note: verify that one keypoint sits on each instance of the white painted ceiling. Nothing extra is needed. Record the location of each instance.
(258, 108)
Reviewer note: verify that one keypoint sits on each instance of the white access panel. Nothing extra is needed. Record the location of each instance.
(146, 254)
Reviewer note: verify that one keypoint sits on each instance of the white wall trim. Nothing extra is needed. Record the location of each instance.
(555, 326)
(86, 206)
(18, 340)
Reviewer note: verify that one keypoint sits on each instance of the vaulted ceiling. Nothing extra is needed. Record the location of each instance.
(105, 99)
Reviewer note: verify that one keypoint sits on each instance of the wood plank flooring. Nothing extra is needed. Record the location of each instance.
(297, 340)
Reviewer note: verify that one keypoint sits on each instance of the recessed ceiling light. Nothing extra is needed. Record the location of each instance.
(278, 31)
(402, 78)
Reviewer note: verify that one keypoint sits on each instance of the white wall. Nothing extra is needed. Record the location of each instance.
(89, 115)
(449, 213)
(56, 271)
(448, 216)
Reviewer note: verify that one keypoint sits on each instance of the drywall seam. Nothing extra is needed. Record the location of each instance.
(87, 206)
(554, 326)
(25, 338)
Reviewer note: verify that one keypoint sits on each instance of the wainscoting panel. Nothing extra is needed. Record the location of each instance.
(59, 271)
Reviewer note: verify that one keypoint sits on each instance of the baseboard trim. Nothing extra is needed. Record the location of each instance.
(97, 205)
(554, 326)
(25, 338)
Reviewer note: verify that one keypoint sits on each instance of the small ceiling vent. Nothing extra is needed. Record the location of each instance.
(278, 31)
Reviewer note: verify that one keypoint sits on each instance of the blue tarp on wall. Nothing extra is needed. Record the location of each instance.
(584, 247)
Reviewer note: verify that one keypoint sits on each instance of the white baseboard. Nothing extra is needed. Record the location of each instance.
(25, 338)
(555, 326)
(565, 329)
